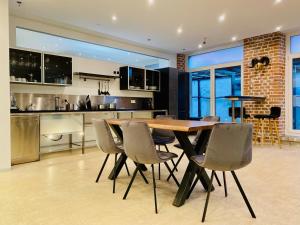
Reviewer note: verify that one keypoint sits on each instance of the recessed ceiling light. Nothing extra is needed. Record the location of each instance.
(278, 28)
(179, 30)
(277, 2)
(200, 46)
(151, 2)
(114, 18)
(222, 18)
(234, 38)
(149, 39)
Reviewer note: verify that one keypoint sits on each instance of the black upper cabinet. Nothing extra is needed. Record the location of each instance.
(132, 78)
(25, 66)
(152, 80)
(57, 70)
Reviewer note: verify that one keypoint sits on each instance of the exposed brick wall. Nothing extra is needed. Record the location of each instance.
(181, 58)
(270, 81)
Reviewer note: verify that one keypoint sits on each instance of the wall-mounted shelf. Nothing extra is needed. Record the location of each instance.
(93, 76)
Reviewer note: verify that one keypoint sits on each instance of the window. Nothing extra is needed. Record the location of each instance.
(294, 89)
(200, 102)
(227, 82)
(217, 57)
(218, 75)
(66, 46)
(295, 44)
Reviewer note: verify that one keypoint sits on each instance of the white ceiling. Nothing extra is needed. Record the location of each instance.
(137, 21)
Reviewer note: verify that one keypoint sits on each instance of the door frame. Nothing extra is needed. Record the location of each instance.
(212, 81)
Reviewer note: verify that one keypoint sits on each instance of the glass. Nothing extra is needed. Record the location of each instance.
(152, 80)
(136, 78)
(216, 57)
(66, 46)
(200, 102)
(227, 82)
(25, 66)
(295, 44)
(296, 94)
(58, 69)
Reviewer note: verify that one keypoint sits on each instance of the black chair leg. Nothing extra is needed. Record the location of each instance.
(127, 169)
(101, 170)
(115, 168)
(208, 194)
(142, 174)
(131, 181)
(243, 194)
(217, 178)
(174, 164)
(225, 185)
(159, 171)
(176, 181)
(154, 188)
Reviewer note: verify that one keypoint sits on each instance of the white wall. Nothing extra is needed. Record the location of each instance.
(4, 87)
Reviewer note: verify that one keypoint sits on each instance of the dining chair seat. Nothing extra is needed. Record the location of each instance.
(165, 156)
(161, 140)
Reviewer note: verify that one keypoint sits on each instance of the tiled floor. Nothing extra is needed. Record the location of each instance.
(61, 190)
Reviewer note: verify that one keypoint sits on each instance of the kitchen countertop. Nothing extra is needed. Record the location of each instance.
(45, 112)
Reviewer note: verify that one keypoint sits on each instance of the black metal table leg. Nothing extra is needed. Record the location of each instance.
(191, 171)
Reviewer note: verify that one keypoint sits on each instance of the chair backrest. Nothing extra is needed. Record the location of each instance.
(138, 143)
(161, 132)
(275, 112)
(104, 138)
(207, 119)
(229, 147)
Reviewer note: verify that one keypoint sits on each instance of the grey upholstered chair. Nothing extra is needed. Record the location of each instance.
(139, 146)
(229, 148)
(207, 119)
(106, 143)
(163, 137)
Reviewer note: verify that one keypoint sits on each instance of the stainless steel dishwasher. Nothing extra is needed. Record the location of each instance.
(25, 138)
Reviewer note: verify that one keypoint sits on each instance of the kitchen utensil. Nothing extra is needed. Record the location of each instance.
(88, 103)
(99, 92)
(68, 107)
(102, 106)
(108, 88)
(112, 106)
(102, 92)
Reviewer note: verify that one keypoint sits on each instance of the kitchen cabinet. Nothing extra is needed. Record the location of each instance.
(57, 70)
(25, 66)
(138, 79)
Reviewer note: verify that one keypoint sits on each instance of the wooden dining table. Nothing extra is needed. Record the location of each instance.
(182, 130)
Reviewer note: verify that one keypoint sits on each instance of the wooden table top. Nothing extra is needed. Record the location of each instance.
(175, 125)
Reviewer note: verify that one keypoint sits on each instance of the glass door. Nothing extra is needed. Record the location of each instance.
(200, 94)
(296, 93)
(227, 82)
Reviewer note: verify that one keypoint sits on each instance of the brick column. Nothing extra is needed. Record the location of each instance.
(270, 81)
(181, 58)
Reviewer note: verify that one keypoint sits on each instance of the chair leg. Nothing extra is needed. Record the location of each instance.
(176, 165)
(171, 159)
(142, 174)
(217, 178)
(131, 181)
(154, 188)
(192, 187)
(243, 194)
(207, 197)
(159, 171)
(168, 168)
(127, 169)
(101, 170)
(225, 185)
(276, 130)
(262, 131)
(115, 168)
